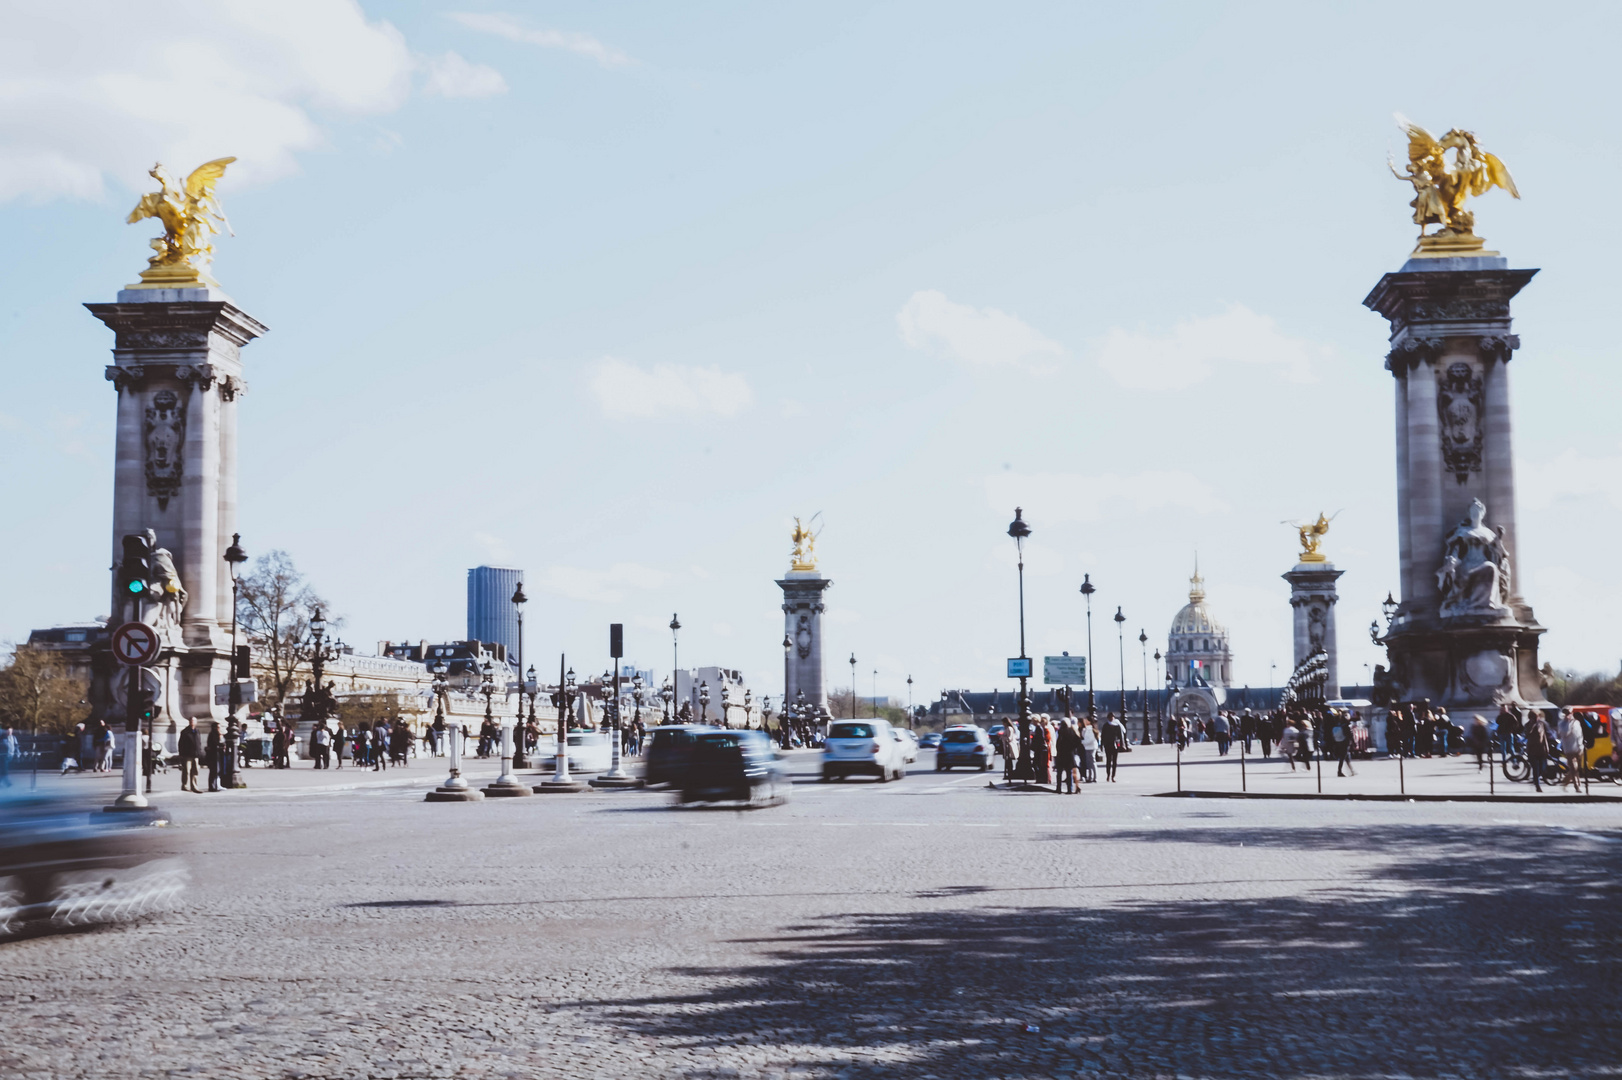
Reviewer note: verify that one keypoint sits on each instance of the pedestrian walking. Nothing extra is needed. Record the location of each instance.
(1221, 733)
(1089, 752)
(1478, 740)
(1572, 747)
(1114, 738)
(1286, 745)
(1509, 728)
(212, 749)
(1340, 741)
(104, 747)
(190, 750)
(1538, 747)
(8, 751)
(1247, 729)
(1066, 743)
(1264, 732)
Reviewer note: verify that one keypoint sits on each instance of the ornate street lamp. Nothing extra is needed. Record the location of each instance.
(1160, 713)
(1023, 768)
(726, 705)
(1087, 590)
(853, 686)
(766, 713)
(667, 695)
(235, 556)
(532, 687)
(561, 780)
(675, 650)
(704, 702)
(788, 671)
(1143, 643)
(520, 759)
(802, 718)
(1120, 633)
(455, 788)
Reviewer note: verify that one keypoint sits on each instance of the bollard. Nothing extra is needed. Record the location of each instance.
(1402, 785)
(455, 788)
(1242, 786)
(1490, 786)
(1179, 766)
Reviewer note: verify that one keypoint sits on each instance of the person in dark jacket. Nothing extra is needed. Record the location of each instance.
(1114, 739)
(1066, 743)
(1538, 745)
(1340, 741)
(189, 751)
(212, 752)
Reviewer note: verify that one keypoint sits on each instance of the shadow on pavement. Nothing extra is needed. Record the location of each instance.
(1476, 952)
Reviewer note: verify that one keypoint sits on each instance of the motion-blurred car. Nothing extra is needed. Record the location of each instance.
(589, 751)
(963, 744)
(862, 748)
(733, 766)
(669, 746)
(909, 744)
(64, 865)
(930, 740)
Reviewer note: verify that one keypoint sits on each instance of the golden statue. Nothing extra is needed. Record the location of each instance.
(805, 544)
(1440, 189)
(1312, 535)
(191, 215)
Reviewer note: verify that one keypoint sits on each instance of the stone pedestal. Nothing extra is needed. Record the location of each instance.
(1312, 597)
(177, 370)
(1463, 635)
(802, 611)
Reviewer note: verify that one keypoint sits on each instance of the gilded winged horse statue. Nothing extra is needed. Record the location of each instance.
(1441, 187)
(191, 216)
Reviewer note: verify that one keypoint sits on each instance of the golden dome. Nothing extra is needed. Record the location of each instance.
(1195, 617)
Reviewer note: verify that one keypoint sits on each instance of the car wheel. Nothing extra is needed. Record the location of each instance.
(884, 775)
(939, 767)
(901, 772)
(826, 776)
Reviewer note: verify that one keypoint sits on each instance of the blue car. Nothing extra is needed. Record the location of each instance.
(963, 744)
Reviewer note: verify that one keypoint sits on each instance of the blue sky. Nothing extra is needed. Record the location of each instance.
(611, 292)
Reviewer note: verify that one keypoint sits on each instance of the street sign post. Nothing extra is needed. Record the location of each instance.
(1064, 670)
(135, 644)
(1019, 667)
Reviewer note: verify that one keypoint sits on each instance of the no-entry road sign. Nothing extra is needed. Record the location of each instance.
(135, 644)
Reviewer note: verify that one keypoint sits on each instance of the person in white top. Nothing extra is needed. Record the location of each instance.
(1570, 734)
(1089, 753)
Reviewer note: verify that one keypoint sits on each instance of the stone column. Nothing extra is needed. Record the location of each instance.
(177, 366)
(1312, 600)
(1451, 342)
(802, 619)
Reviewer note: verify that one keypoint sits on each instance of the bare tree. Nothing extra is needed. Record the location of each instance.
(38, 694)
(274, 607)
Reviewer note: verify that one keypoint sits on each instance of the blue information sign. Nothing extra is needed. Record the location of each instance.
(1019, 667)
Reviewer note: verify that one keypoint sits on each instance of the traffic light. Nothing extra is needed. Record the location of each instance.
(241, 668)
(146, 706)
(135, 572)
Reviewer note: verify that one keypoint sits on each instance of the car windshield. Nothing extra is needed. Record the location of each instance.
(851, 731)
(960, 736)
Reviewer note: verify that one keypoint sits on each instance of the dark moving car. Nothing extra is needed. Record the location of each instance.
(669, 746)
(733, 766)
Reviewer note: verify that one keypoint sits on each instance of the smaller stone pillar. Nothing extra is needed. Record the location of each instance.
(1313, 597)
(802, 617)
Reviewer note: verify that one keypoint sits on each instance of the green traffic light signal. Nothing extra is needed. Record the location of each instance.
(136, 588)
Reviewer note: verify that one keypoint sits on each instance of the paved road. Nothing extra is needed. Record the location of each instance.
(909, 929)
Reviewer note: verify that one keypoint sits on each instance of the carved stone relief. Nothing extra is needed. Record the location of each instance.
(802, 637)
(1459, 409)
(165, 438)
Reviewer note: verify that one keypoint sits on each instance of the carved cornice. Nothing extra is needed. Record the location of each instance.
(188, 325)
(1435, 298)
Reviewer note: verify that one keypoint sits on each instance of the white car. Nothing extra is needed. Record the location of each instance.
(589, 751)
(863, 748)
(909, 744)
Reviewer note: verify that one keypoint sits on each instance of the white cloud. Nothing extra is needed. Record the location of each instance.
(1570, 475)
(453, 77)
(510, 28)
(1194, 347)
(625, 390)
(986, 336)
(1075, 497)
(599, 586)
(100, 89)
(497, 550)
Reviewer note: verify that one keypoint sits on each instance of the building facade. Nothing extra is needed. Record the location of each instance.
(491, 616)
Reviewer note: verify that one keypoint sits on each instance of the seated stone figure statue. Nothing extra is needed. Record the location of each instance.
(1474, 576)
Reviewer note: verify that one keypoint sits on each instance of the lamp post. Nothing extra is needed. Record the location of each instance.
(766, 714)
(455, 788)
(667, 695)
(704, 702)
(235, 556)
(726, 706)
(1143, 643)
(875, 693)
(616, 776)
(675, 652)
(802, 721)
(1087, 590)
(1023, 768)
(1160, 713)
(853, 686)
(532, 687)
(909, 702)
(520, 760)
(748, 706)
(505, 784)
(1120, 633)
(561, 781)
(788, 671)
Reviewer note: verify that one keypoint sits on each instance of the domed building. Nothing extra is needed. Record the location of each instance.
(1199, 664)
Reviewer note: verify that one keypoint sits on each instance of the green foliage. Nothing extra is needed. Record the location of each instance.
(1595, 688)
(38, 694)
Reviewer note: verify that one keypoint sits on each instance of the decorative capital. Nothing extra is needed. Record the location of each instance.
(1409, 352)
(1499, 346)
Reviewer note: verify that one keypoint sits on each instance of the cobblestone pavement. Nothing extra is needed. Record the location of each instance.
(930, 927)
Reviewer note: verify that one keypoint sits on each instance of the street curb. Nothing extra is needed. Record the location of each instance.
(1307, 795)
